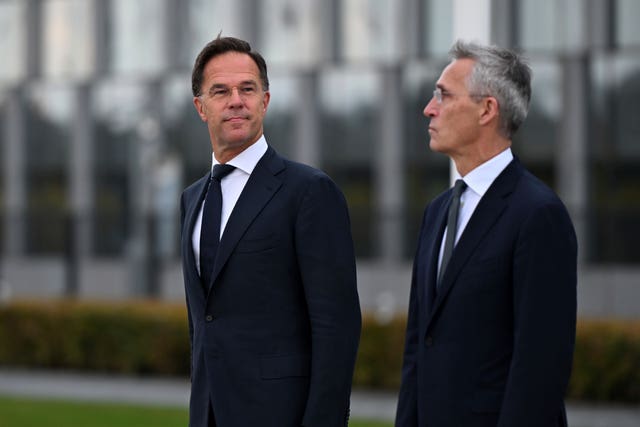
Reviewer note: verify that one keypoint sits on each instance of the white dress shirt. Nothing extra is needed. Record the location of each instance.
(478, 182)
(231, 185)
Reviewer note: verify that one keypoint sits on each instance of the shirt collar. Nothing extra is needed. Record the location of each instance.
(480, 179)
(247, 160)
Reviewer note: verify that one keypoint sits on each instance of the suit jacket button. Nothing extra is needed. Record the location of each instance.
(429, 341)
(209, 318)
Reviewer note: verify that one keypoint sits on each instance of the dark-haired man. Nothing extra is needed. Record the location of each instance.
(268, 265)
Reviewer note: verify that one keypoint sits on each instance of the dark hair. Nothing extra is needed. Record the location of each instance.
(503, 74)
(221, 45)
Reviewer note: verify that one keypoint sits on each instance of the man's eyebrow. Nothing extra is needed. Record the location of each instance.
(242, 83)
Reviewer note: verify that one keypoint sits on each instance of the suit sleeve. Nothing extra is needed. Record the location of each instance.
(327, 265)
(190, 321)
(544, 305)
(407, 411)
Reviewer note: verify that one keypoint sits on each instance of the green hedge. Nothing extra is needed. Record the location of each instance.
(152, 338)
(139, 338)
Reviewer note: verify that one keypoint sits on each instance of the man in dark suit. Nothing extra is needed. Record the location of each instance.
(492, 311)
(270, 279)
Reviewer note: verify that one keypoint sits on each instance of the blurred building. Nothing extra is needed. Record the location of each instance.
(98, 134)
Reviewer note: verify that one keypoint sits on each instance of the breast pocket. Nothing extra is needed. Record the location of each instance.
(484, 275)
(258, 244)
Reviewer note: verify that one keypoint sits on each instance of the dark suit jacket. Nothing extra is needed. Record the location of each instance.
(495, 346)
(274, 340)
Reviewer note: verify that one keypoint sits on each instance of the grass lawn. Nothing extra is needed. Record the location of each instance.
(26, 412)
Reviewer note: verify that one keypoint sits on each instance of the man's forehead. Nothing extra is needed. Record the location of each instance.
(231, 63)
(225, 69)
(456, 72)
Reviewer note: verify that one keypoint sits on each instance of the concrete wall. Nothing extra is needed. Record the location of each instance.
(384, 287)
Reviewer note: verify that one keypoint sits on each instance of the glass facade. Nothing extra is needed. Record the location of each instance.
(342, 72)
(615, 159)
(49, 110)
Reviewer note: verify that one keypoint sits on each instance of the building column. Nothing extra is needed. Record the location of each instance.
(389, 180)
(82, 190)
(14, 171)
(572, 150)
(307, 129)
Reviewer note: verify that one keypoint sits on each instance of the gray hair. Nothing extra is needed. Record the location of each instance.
(502, 74)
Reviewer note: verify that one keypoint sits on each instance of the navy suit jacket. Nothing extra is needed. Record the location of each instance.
(274, 339)
(494, 346)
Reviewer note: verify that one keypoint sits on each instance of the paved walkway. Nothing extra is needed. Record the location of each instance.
(175, 392)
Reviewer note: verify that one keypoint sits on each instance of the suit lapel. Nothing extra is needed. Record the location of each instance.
(431, 256)
(490, 208)
(260, 188)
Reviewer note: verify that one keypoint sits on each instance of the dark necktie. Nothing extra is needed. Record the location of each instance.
(211, 216)
(452, 227)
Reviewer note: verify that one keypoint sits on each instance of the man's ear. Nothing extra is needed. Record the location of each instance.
(489, 111)
(200, 108)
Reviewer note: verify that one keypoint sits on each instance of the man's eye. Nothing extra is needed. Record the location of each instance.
(219, 92)
(248, 89)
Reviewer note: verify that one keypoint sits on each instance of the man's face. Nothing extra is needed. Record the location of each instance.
(453, 127)
(232, 103)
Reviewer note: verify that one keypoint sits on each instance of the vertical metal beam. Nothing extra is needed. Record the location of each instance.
(601, 24)
(307, 130)
(14, 171)
(33, 38)
(174, 33)
(82, 189)
(572, 151)
(101, 19)
(504, 22)
(143, 161)
(389, 173)
(414, 13)
(334, 31)
(249, 13)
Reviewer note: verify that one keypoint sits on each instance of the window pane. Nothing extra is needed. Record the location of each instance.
(187, 135)
(68, 38)
(12, 40)
(349, 133)
(552, 24)
(535, 141)
(48, 121)
(371, 30)
(138, 39)
(206, 19)
(615, 157)
(438, 27)
(292, 29)
(118, 110)
(628, 31)
(279, 122)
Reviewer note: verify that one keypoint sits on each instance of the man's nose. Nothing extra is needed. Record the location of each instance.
(430, 109)
(234, 96)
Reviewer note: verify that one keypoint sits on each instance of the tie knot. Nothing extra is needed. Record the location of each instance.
(459, 188)
(221, 170)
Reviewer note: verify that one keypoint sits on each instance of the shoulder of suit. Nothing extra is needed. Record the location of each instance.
(303, 170)
(196, 185)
